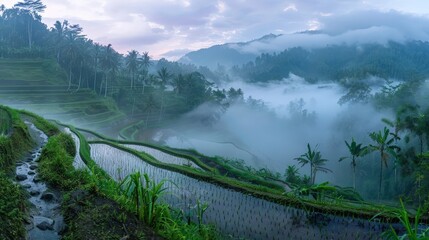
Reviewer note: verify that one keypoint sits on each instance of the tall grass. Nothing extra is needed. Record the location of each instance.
(412, 228)
(144, 194)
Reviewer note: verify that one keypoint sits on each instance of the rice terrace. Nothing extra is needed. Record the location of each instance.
(214, 120)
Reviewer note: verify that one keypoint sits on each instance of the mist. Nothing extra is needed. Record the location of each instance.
(272, 135)
(354, 28)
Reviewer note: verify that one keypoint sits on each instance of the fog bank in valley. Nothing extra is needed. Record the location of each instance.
(296, 113)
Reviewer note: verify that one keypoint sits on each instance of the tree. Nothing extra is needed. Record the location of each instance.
(109, 63)
(96, 53)
(416, 122)
(314, 158)
(73, 35)
(132, 64)
(164, 76)
(32, 8)
(384, 145)
(398, 125)
(145, 60)
(356, 150)
(60, 30)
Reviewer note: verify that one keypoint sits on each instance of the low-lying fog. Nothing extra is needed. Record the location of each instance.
(299, 113)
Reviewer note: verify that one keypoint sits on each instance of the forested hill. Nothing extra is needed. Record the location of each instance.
(398, 61)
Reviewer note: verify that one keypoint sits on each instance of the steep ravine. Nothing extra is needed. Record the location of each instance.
(45, 220)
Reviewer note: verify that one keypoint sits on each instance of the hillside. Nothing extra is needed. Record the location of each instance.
(225, 54)
(41, 86)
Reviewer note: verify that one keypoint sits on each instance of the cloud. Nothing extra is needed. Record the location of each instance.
(351, 28)
(165, 25)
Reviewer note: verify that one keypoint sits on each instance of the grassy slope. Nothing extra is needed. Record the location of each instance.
(41, 86)
(88, 213)
(12, 199)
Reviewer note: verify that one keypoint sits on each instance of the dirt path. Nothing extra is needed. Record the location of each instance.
(45, 220)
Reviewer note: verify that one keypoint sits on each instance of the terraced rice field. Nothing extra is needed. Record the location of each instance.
(235, 213)
(163, 157)
(40, 86)
(77, 162)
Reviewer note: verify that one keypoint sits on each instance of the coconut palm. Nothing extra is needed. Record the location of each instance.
(314, 158)
(356, 150)
(163, 76)
(109, 63)
(398, 125)
(384, 144)
(31, 8)
(145, 60)
(132, 64)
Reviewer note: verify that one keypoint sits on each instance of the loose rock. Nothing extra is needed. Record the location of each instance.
(34, 192)
(21, 177)
(47, 196)
(45, 226)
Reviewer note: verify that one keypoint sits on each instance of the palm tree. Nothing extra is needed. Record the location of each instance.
(384, 145)
(132, 63)
(60, 30)
(96, 53)
(31, 8)
(145, 60)
(356, 150)
(109, 64)
(314, 158)
(398, 125)
(163, 76)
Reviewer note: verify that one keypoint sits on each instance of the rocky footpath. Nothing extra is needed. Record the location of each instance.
(44, 220)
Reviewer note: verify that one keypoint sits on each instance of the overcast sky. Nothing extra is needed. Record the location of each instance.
(170, 28)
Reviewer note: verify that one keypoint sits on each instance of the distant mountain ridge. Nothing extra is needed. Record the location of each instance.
(225, 54)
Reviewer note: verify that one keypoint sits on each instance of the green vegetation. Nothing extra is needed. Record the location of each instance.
(5, 122)
(314, 158)
(356, 150)
(412, 229)
(12, 199)
(144, 194)
(385, 146)
(396, 61)
(101, 184)
(12, 209)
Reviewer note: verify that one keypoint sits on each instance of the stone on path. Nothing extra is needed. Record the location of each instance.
(21, 177)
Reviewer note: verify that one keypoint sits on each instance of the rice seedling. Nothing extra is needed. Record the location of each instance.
(230, 211)
(163, 157)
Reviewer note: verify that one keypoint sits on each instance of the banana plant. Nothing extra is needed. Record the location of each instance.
(384, 145)
(356, 150)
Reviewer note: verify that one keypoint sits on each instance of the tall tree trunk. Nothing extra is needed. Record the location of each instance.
(134, 103)
(101, 87)
(162, 107)
(70, 77)
(105, 87)
(58, 55)
(381, 176)
(95, 74)
(80, 76)
(354, 173)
